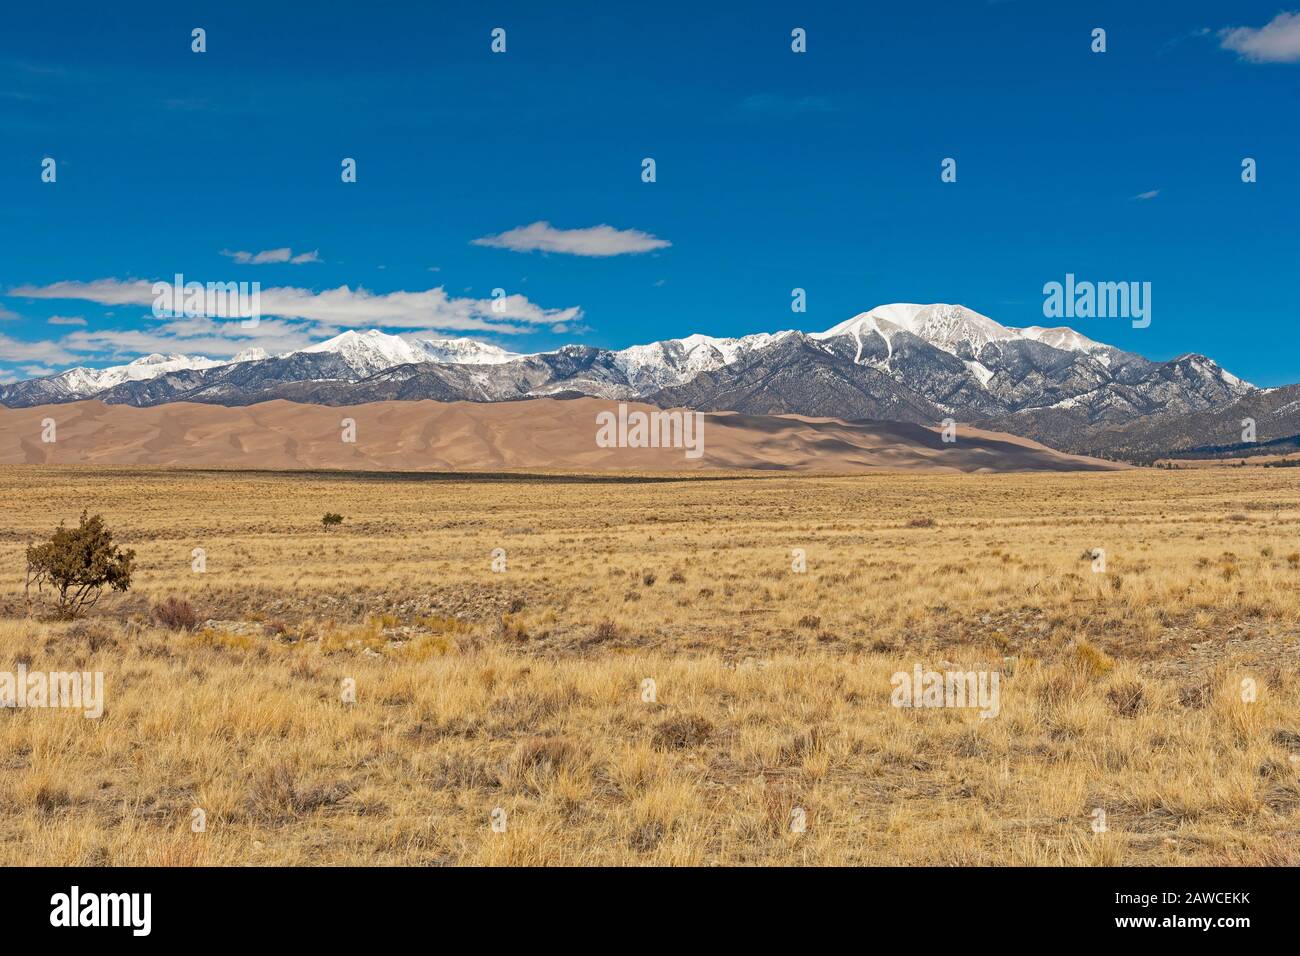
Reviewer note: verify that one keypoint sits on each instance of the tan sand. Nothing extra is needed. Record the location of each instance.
(545, 434)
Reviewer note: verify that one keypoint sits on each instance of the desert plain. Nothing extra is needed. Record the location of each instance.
(662, 669)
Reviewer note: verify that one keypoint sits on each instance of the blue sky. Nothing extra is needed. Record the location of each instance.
(775, 170)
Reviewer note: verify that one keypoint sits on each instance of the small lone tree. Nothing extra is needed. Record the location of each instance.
(78, 563)
(331, 519)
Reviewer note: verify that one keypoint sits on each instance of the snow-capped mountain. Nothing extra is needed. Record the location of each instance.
(1066, 339)
(924, 363)
(78, 383)
(361, 354)
(148, 366)
(465, 352)
(369, 352)
(677, 361)
(954, 329)
(906, 362)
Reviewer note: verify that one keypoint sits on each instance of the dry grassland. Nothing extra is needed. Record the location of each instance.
(525, 690)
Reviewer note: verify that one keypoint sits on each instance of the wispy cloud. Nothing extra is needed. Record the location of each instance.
(272, 256)
(214, 338)
(1175, 41)
(344, 306)
(66, 320)
(1278, 41)
(599, 240)
(1149, 194)
(12, 350)
(6, 315)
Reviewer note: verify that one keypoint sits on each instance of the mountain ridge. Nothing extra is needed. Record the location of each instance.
(902, 362)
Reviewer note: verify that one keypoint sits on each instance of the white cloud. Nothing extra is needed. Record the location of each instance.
(1149, 194)
(345, 307)
(272, 255)
(6, 315)
(1278, 41)
(66, 320)
(599, 240)
(13, 350)
(214, 338)
(103, 291)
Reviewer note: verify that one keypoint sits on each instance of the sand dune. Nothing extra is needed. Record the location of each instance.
(545, 434)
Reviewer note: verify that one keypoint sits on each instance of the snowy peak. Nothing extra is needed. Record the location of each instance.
(951, 328)
(677, 361)
(956, 329)
(143, 369)
(1200, 366)
(158, 358)
(1065, 339)
(465, 352)
(727, 350)
(373, 351)
(369, 352)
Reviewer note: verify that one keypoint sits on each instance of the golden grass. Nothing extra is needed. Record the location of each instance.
(526, 691)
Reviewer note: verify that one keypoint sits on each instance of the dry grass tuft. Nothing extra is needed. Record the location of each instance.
(175, 614)
(682, 732)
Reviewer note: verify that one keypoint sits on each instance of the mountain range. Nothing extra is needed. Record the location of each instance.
(919, 364)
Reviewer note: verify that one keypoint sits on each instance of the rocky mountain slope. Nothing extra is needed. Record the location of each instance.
(1212, 433)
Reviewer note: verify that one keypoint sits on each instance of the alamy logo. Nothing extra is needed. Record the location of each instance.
(103, 909)
(638, 429)
(76, 690)
(1098, 300)
(948, 689)
(179, 299)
